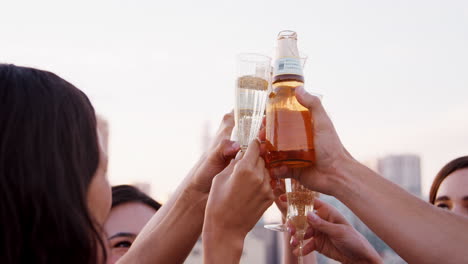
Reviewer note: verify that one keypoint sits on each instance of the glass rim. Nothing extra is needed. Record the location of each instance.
(253, 57)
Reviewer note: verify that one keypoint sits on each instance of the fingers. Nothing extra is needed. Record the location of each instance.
(318, 224)
(314, 104)
(309, 101)
(227, 123)
(282, 205)
(266, 187)
(278, 192)
(309, 233)
(227, 149)
(262, 131)
(291, 228)
(280, 172)
(226, 173)
(252, 153)
(263, 150)
(225, 128)
(329, 213)
(306, 249)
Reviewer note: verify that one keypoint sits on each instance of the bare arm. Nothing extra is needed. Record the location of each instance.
(175, 228)
(417, 231)
(239, 197)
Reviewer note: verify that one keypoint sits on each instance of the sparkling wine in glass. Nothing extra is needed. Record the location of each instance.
(300, 203)
(253, 81)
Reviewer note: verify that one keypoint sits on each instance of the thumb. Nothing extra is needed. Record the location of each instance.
(311, 102)
(322, 121)
(318, 224)
(223, 152)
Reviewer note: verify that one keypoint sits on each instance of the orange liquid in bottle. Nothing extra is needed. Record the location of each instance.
(289, 134)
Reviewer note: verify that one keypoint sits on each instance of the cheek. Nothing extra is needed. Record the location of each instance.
(115, 255)
(99, 198)
(107, 196)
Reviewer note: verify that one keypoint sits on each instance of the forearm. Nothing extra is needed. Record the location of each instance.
(173, 237)
(417, 231)
(221, 247)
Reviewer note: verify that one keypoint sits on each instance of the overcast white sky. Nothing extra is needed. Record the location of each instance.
(394, 74)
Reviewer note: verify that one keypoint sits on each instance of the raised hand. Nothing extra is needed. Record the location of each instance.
(331, 235)
(328, 148)
(220, 152)
(238, 198)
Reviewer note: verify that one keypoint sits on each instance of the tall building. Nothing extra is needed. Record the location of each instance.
(404, 170)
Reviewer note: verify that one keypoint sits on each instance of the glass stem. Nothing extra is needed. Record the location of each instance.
(300, 236)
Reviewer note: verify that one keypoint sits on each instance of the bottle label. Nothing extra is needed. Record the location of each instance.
(288, 66)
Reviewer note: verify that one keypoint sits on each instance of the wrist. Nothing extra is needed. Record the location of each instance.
(352, 178)
(343, 178)
(195, 196)
(221, 245)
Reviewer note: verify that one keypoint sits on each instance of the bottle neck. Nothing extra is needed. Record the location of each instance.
(287, 48)
(287, 60)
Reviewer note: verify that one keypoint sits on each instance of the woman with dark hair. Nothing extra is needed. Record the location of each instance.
(449, 189)
(54, 191)
(131, 210)
(53, 188)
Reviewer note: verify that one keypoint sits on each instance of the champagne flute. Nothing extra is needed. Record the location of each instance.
(253, 81)
(300, 203)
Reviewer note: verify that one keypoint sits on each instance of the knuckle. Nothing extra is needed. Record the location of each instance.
(228, 118)
(315, 100)
(257, 180)
(243, 168)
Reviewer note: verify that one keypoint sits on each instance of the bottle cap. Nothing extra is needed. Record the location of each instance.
(287, 34)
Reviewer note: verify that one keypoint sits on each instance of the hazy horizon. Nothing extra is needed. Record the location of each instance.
(393, 73)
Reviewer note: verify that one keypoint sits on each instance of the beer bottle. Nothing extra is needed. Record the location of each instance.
(289, 134)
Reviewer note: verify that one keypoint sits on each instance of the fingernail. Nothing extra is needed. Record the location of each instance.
(239, 155)
(289, 230)
(293, 241)
(312, 217)
(235, 145)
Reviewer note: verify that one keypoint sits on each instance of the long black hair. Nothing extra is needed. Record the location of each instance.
(48, 155)
(127, 193)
